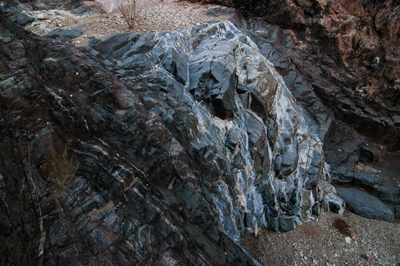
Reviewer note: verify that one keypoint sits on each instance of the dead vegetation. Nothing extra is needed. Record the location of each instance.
(127, 8)
(61, 170)
(342, 226)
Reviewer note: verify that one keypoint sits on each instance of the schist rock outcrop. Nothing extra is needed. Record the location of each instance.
(164, 149)
(348, 51)
(340, 61)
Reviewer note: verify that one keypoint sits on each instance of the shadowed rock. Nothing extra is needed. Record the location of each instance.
(176, 144)
(365, 204)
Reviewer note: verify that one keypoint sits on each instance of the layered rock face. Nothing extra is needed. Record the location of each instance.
(151, 149)
(340, 61)
(354, 159)
(349, 51)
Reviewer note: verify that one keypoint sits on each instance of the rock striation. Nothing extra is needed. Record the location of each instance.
(347, 51)
(247, 134)
(164, 149)
(353, 124)
(151, 149)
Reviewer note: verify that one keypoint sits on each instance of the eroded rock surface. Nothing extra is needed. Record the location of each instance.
(252, 140)
(157, 149)
(353, 123)
(348, 52)
(365, 204)
(176, 144)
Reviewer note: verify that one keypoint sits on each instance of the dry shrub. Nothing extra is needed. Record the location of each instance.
(128, 11)
(342, 226)
(61, 169)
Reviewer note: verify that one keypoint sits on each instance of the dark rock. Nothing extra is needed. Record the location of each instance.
(248, 219)
(135, 62)
(397, 211)
(65, 35)
(110, 44)
(175, 62)
(220, 11)
(335, 203)
(214, 82)
(379, 177)
(139, 44)
(5, 227)
(288, 224)
(15, 15)
(343, 152)
(176, 149)
(115, 207)
(81, 9)
(365, 204)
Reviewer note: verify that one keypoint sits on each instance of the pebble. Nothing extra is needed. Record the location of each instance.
(41, 16)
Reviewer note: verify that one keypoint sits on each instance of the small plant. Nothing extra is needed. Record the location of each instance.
(61, 169)
(342, 226)
(128, 11)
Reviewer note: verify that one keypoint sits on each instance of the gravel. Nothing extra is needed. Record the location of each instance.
(318, 242)
(152, 16)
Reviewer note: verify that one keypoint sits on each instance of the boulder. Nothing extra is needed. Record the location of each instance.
(65, 35)
(362, 203)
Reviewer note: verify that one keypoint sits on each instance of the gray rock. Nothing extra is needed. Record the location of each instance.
(220, 11)
(288, 223)
(378, 173)
(15, 15)
(335, 203)
(213, 79)
(175, 62)
(66, 35)
(365, 204)
(110, 44)
(397, 211)
(137, 44)
(182, 146)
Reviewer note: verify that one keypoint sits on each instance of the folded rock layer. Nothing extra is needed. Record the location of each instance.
(150, 149)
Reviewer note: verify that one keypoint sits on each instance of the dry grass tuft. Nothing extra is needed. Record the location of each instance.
(62, 169)
(128, 11)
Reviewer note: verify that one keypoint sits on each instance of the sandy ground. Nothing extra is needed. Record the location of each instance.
(152, 16)
(319, 243)
(315, 243)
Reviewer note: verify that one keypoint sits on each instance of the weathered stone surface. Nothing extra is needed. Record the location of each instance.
(365, 204)
(327, 56)
(175, 156)
(358, 162)
(178, 143)
(15, 15)
(65, 35)
(134, 204)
